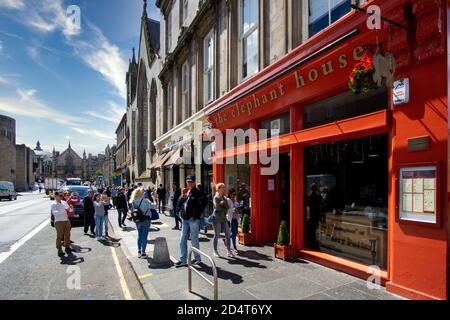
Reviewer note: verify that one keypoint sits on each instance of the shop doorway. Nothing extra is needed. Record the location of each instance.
(275, 200)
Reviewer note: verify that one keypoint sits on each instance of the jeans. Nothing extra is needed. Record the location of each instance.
(202, 221)
(106, 224)
(89, 223)
(189, 227)
(161, 203)
(143, 229)
(122, 215)
(99, 223)
(218, 227)
(177, 217)
(234, 232)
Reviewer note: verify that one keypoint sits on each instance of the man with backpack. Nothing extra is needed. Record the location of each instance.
(192, 209)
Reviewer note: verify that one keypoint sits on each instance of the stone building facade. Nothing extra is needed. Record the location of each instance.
(7, 149)
(143, 103)
(122, 151)
(109, 165)
(25, 165)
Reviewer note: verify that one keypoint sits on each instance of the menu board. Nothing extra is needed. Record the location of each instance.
(418, 194)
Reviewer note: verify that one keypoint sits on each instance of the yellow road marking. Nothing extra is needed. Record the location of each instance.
(145, 276)
(123, 283)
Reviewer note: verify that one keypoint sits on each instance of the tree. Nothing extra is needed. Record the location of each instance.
(283, 234)
(98, 173)
(245, 226)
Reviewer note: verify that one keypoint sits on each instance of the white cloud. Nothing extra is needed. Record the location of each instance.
(25, 104)
(102, 56)
(13, 4)
(3, 80)
(1, 46)
(93, 133)
(94, 49)
(113, 113)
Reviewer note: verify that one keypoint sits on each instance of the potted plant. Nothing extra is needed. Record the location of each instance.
(245, 236)
(283, 250)
(361, 79)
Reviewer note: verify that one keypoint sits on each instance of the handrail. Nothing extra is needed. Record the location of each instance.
(191, 268)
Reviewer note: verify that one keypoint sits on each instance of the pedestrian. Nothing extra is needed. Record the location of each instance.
(122, 207)
(114, 194)
(180, 213)
(161, 192)
(100, 189)
(143, 227)
(204, 200)
(89, 213)
(220, 222)
(60, 220)
(107, 208)
(176, 194)
(233, 217)
(40, 188)
(192, 209)
(69, 199)
(100, 202)
(108, 191)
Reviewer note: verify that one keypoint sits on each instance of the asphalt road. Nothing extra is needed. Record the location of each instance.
(30, 268)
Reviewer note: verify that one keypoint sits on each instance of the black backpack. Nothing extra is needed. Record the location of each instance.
(137, 215)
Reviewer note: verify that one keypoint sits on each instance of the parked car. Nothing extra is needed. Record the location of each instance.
(7, 191)
(73, 182)
(78, 209)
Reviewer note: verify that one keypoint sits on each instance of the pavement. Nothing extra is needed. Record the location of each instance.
(30, 268)
(254, 274)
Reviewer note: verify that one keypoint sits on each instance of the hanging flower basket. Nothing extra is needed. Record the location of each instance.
(361, 78)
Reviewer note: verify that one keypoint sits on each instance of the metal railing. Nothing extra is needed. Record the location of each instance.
(214, 269)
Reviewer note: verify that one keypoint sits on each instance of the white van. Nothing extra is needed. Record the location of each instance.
(7, 191)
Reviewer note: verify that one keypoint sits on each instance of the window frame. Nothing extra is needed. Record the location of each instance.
(185, 7)
(305, 15)
(185, 90)
(245, 35)
(169, 31)
(209, 96)
(170, 112)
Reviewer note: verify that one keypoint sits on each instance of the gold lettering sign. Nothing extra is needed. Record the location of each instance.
(301, 77)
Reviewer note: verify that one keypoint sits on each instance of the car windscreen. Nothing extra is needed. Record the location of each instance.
(4, 186)
(82, 191)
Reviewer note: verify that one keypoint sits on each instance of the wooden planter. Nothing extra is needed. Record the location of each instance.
(245, 239)
(286, 253)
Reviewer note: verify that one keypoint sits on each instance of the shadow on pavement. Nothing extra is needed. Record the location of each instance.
(254, 255)
(155, 229)
(245, 263)
(108, 243)
(79, 249)
(71, 260)
(128, 229)
(222, 274)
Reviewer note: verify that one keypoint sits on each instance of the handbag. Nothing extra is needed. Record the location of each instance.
(212, 219)
(154, 215)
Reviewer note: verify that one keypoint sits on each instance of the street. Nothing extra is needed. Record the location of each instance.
(30, 268)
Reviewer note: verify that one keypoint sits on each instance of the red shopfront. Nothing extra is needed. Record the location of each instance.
(363, 153)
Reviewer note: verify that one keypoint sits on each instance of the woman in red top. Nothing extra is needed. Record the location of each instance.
(68, 198)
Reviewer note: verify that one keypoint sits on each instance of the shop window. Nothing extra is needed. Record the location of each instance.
(249, 42)
(237, 176)
(344, 106)
(277, 126)
(346, 199)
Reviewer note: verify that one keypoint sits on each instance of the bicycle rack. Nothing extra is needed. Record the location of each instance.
(191, 268)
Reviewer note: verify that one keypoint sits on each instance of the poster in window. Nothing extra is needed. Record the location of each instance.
(418, 194)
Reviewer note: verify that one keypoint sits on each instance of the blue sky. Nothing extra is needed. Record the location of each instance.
(61, 83)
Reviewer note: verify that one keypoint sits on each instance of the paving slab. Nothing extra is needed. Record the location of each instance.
(252, 275)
